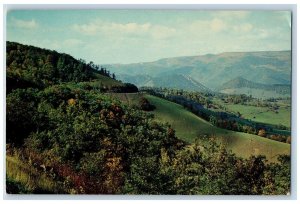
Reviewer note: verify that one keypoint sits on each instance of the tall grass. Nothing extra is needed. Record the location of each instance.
(33, 180)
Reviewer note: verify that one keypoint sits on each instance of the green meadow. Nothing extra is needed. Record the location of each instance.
(190, 127)
(263, 114)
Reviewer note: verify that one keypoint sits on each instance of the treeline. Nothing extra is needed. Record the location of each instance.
(202, 106)
(98, 85)
(88, 143)
(270, 103)
(29, 66)
(205, 98)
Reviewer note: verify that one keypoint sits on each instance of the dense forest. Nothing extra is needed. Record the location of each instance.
(65, 135)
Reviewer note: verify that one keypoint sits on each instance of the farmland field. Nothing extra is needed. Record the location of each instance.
(263, 114)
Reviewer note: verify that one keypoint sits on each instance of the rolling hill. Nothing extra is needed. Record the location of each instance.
(266, 67)
(189, 127)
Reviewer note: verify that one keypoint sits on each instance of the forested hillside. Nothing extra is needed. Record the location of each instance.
(29, 66)
(67, 134)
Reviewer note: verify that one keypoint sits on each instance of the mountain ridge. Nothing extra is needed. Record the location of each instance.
(179, 81)
(267, 67)
(208, 55)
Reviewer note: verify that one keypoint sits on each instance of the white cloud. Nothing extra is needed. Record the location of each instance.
(31, 24)
(99, 27)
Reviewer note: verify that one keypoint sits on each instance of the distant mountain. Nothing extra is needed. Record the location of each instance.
(179, 81)
(240, 85)
(268, 67)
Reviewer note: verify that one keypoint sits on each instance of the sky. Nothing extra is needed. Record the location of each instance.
(132, 36)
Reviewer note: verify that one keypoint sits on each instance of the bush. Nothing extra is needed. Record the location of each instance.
(145, 105)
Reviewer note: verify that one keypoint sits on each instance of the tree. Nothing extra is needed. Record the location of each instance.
(288, 140)
(21, 115)
(262, 133)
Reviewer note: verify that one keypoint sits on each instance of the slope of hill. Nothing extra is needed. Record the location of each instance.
(189, 127)
(273, 67)
(240, 85)
(29, 66)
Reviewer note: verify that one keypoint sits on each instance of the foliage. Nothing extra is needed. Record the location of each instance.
(87, 133)
(278, 177)
(21, 117)
(91, 143)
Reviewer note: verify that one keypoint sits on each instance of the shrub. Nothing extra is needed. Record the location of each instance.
(146, 105)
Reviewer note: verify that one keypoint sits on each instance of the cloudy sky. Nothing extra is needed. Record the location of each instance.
(126, 36)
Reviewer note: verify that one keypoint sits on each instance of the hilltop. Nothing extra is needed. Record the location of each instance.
(29, 66)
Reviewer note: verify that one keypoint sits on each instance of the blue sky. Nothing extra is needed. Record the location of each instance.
(127, 36)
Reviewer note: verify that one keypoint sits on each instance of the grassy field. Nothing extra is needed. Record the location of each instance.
(263, 114)
(189, 127)
(128, 98)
